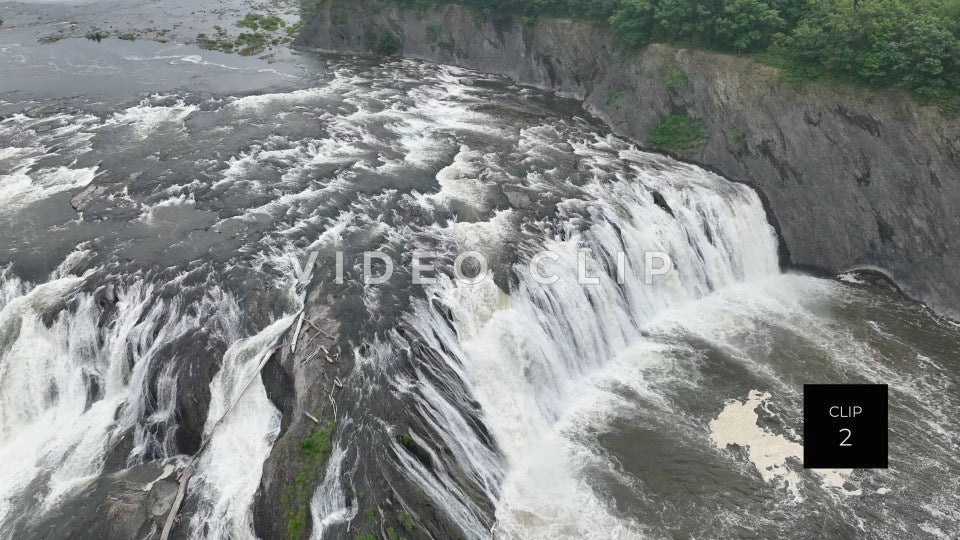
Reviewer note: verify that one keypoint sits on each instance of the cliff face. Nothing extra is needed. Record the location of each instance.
(853, 178)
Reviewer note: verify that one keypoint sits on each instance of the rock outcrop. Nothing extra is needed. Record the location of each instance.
(852, 177)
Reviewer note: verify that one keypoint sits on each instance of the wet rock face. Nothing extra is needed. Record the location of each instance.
(132, 503)
(196, 357)
(300, 384)
(852, 177)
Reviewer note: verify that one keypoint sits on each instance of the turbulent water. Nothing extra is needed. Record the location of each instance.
(150, 263)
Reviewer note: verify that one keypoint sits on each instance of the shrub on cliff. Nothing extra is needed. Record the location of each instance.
(679, 133)
(387, 42)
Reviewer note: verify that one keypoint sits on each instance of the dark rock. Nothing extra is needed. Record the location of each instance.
(198, 359)
(132, 503)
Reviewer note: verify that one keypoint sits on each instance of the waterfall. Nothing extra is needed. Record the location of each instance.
(70, 389)
(76, 375)
(524, 354)
(243, 425)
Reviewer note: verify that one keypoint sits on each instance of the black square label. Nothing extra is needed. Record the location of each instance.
(845, 426)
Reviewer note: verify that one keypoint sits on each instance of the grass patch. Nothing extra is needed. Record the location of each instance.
(215, 44)
(309, 8)
(406, 521)
(789, 72)
(338, 18)
(248, 44)
(613, 95)
(295, 28)
(679, 133)
(422, 7)
(313, 453)
(947, 100)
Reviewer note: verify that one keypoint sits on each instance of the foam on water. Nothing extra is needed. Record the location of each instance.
(70, 390)
(738, 425)
(30, 140)
(152, 113)
(21, 189)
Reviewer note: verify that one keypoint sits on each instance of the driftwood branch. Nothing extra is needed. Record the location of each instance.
(296, 333)
(181, 493)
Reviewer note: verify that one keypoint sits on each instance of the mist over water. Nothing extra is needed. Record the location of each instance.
(150, 258)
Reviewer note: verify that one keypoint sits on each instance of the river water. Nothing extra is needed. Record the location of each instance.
(157, 199)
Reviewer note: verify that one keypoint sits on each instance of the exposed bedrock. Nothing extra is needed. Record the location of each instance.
(852, 177)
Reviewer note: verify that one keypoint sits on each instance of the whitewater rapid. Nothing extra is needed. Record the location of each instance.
(508, 409)
(526, 354)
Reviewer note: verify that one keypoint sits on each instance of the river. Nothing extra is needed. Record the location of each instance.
(158, 199)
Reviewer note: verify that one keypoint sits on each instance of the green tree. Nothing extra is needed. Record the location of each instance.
(633, 22)
(690, 21)
(747, 25)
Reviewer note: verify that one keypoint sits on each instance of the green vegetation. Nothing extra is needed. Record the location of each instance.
(248, 44)
(914, 44)
(433, 33)
(256, 21)
(215, 44)
(387, 42)
(676, 80)
(613, 95)
(295, 28)
(309, 8)
(313, 453)
(679, 133)
(127, 37)
(264, 31)
(420, 6)
(406, 521)
(97, 36)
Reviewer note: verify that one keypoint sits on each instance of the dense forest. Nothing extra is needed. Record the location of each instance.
(909, 43)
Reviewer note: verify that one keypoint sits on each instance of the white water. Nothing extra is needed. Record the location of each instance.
(530, 359)
(244, 424)
(68, 391)
(527, 356)
(22, 181)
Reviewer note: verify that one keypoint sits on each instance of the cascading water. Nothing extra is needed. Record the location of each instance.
(525, 354)
(73, 387)
(242, 424)
(510, 408)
